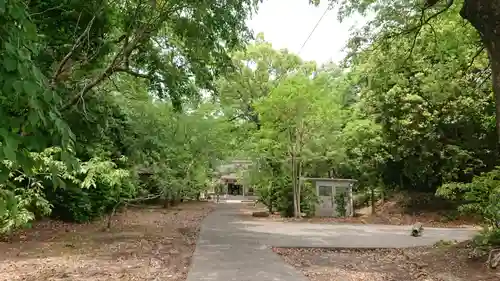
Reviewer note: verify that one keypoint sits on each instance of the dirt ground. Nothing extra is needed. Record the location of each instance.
(387, 213)
(427, 220)
(449, 263)
(143, 244)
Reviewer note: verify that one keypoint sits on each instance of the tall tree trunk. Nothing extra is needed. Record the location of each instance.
(294, 187)
(299, 187)
(484, 15)
(372, 199)
(494, 54)
(271, 201)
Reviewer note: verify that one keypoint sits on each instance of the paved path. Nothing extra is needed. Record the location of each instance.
(230, 248)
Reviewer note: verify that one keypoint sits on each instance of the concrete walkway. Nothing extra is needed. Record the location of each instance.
(230, 248)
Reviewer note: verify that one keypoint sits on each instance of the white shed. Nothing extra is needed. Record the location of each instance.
(327, 189)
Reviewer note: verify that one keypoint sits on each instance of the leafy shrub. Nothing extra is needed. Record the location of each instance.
(17, 205)
(48, 186)
(264, 194)
(309, 199)
(71, 204)
(449, 215)
(285, 201)
(481, 196)
(340, 204)
(101, 188)
(267, 196)
(21, 195)
(75, 204)
(361, 200)
(487, 237)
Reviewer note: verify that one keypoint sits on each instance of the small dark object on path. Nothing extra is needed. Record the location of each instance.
(417, 230)
(263, 214)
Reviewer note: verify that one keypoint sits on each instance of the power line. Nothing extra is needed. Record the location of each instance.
(303, 44)
(314, 29)
(278, 80)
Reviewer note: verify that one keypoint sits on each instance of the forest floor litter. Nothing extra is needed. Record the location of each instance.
(390, 212)
(150, 243)
(427, 220)
(443, 263)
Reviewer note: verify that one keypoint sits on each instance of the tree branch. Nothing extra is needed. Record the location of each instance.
(418, 27)
(58, 7)
(486, 77)
(130, 41)
(133, 73)
(66, 58)
(416, 34)
(474, 57)
(120, 56)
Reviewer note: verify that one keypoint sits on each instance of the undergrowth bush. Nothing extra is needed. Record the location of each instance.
(70, 204)
(51, 187)
(308, 201)
(340, 204)
(488, 237)
(481, 197)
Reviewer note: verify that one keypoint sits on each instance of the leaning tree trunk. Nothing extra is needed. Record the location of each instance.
(484, 15)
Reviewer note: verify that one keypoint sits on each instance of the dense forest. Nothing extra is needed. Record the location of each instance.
(108, 102)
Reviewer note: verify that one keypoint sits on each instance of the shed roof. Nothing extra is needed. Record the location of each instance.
(329, 179)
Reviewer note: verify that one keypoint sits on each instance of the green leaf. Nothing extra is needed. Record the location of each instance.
(3, 205)
(4, 174)
(30, 87)
(60, 183)
(30, 29)
(9, 47)
(7, 86)
(25, 162)
(9, 152)
(9, 64)
(18, 86)
(10, 148)
(33, 118)
(17, 11)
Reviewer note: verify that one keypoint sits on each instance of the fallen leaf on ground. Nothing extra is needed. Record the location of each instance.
(413, 264)
(142, 244)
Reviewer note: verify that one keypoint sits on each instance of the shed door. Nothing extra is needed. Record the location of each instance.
(326, 201)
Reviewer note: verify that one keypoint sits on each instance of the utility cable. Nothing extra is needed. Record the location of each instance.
(303, 44)
(314, 29)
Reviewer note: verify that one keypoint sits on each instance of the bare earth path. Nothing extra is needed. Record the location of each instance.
(230, 248)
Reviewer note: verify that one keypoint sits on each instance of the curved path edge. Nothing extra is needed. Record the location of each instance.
(232, 249)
